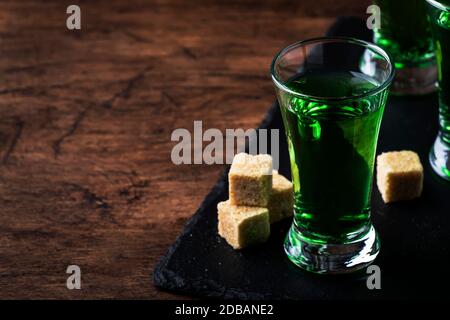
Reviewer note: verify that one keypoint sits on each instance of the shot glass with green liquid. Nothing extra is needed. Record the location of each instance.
(405, 34)
(439, 16)
(332, 93)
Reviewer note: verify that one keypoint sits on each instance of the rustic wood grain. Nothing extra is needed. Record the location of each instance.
(85, 124)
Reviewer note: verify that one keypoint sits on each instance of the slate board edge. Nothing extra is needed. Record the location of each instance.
(169, 280)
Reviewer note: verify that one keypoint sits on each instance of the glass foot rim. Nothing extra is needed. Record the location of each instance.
(438, 156)
(332, 258)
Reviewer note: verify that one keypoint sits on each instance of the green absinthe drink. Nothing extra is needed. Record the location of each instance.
(405, 34)
(332, 148)
(439, 15)
(332, 103)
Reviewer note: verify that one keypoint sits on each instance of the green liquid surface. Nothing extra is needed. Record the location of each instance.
(405, 32)
(332, 149)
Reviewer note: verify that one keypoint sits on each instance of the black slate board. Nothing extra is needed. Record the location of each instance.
(415, 235)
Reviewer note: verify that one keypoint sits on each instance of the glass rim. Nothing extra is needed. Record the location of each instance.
(439, 5)
(373, 47)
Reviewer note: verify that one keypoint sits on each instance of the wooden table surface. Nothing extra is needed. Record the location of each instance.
(86, 118)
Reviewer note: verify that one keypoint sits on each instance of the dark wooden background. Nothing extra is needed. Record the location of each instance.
(85, 124)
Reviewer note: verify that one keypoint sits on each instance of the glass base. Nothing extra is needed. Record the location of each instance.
(417, 80)
(331, 258)
(440, 157)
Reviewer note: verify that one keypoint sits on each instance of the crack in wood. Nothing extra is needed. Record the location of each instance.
(17, 134)
(25, 90)
(126, 91)
(29, 91)
(95, 200)
(169, 98)
(189, 53)
(134, 192)
(136, 37)
(57, 144)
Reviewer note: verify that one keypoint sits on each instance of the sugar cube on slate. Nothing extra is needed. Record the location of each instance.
(243, 226)
(399, 175)
(281, 201)
(250, 180)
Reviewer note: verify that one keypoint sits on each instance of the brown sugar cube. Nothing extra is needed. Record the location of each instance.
(242, 226)
(399, 175)
(250, 180)
(281, 203)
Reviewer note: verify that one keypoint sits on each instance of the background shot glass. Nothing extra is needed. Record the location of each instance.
(332, 93)
(439, 15)
(405, 34)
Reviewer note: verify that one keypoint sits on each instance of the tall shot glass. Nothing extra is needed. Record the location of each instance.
(332, 93)
(439, 16)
